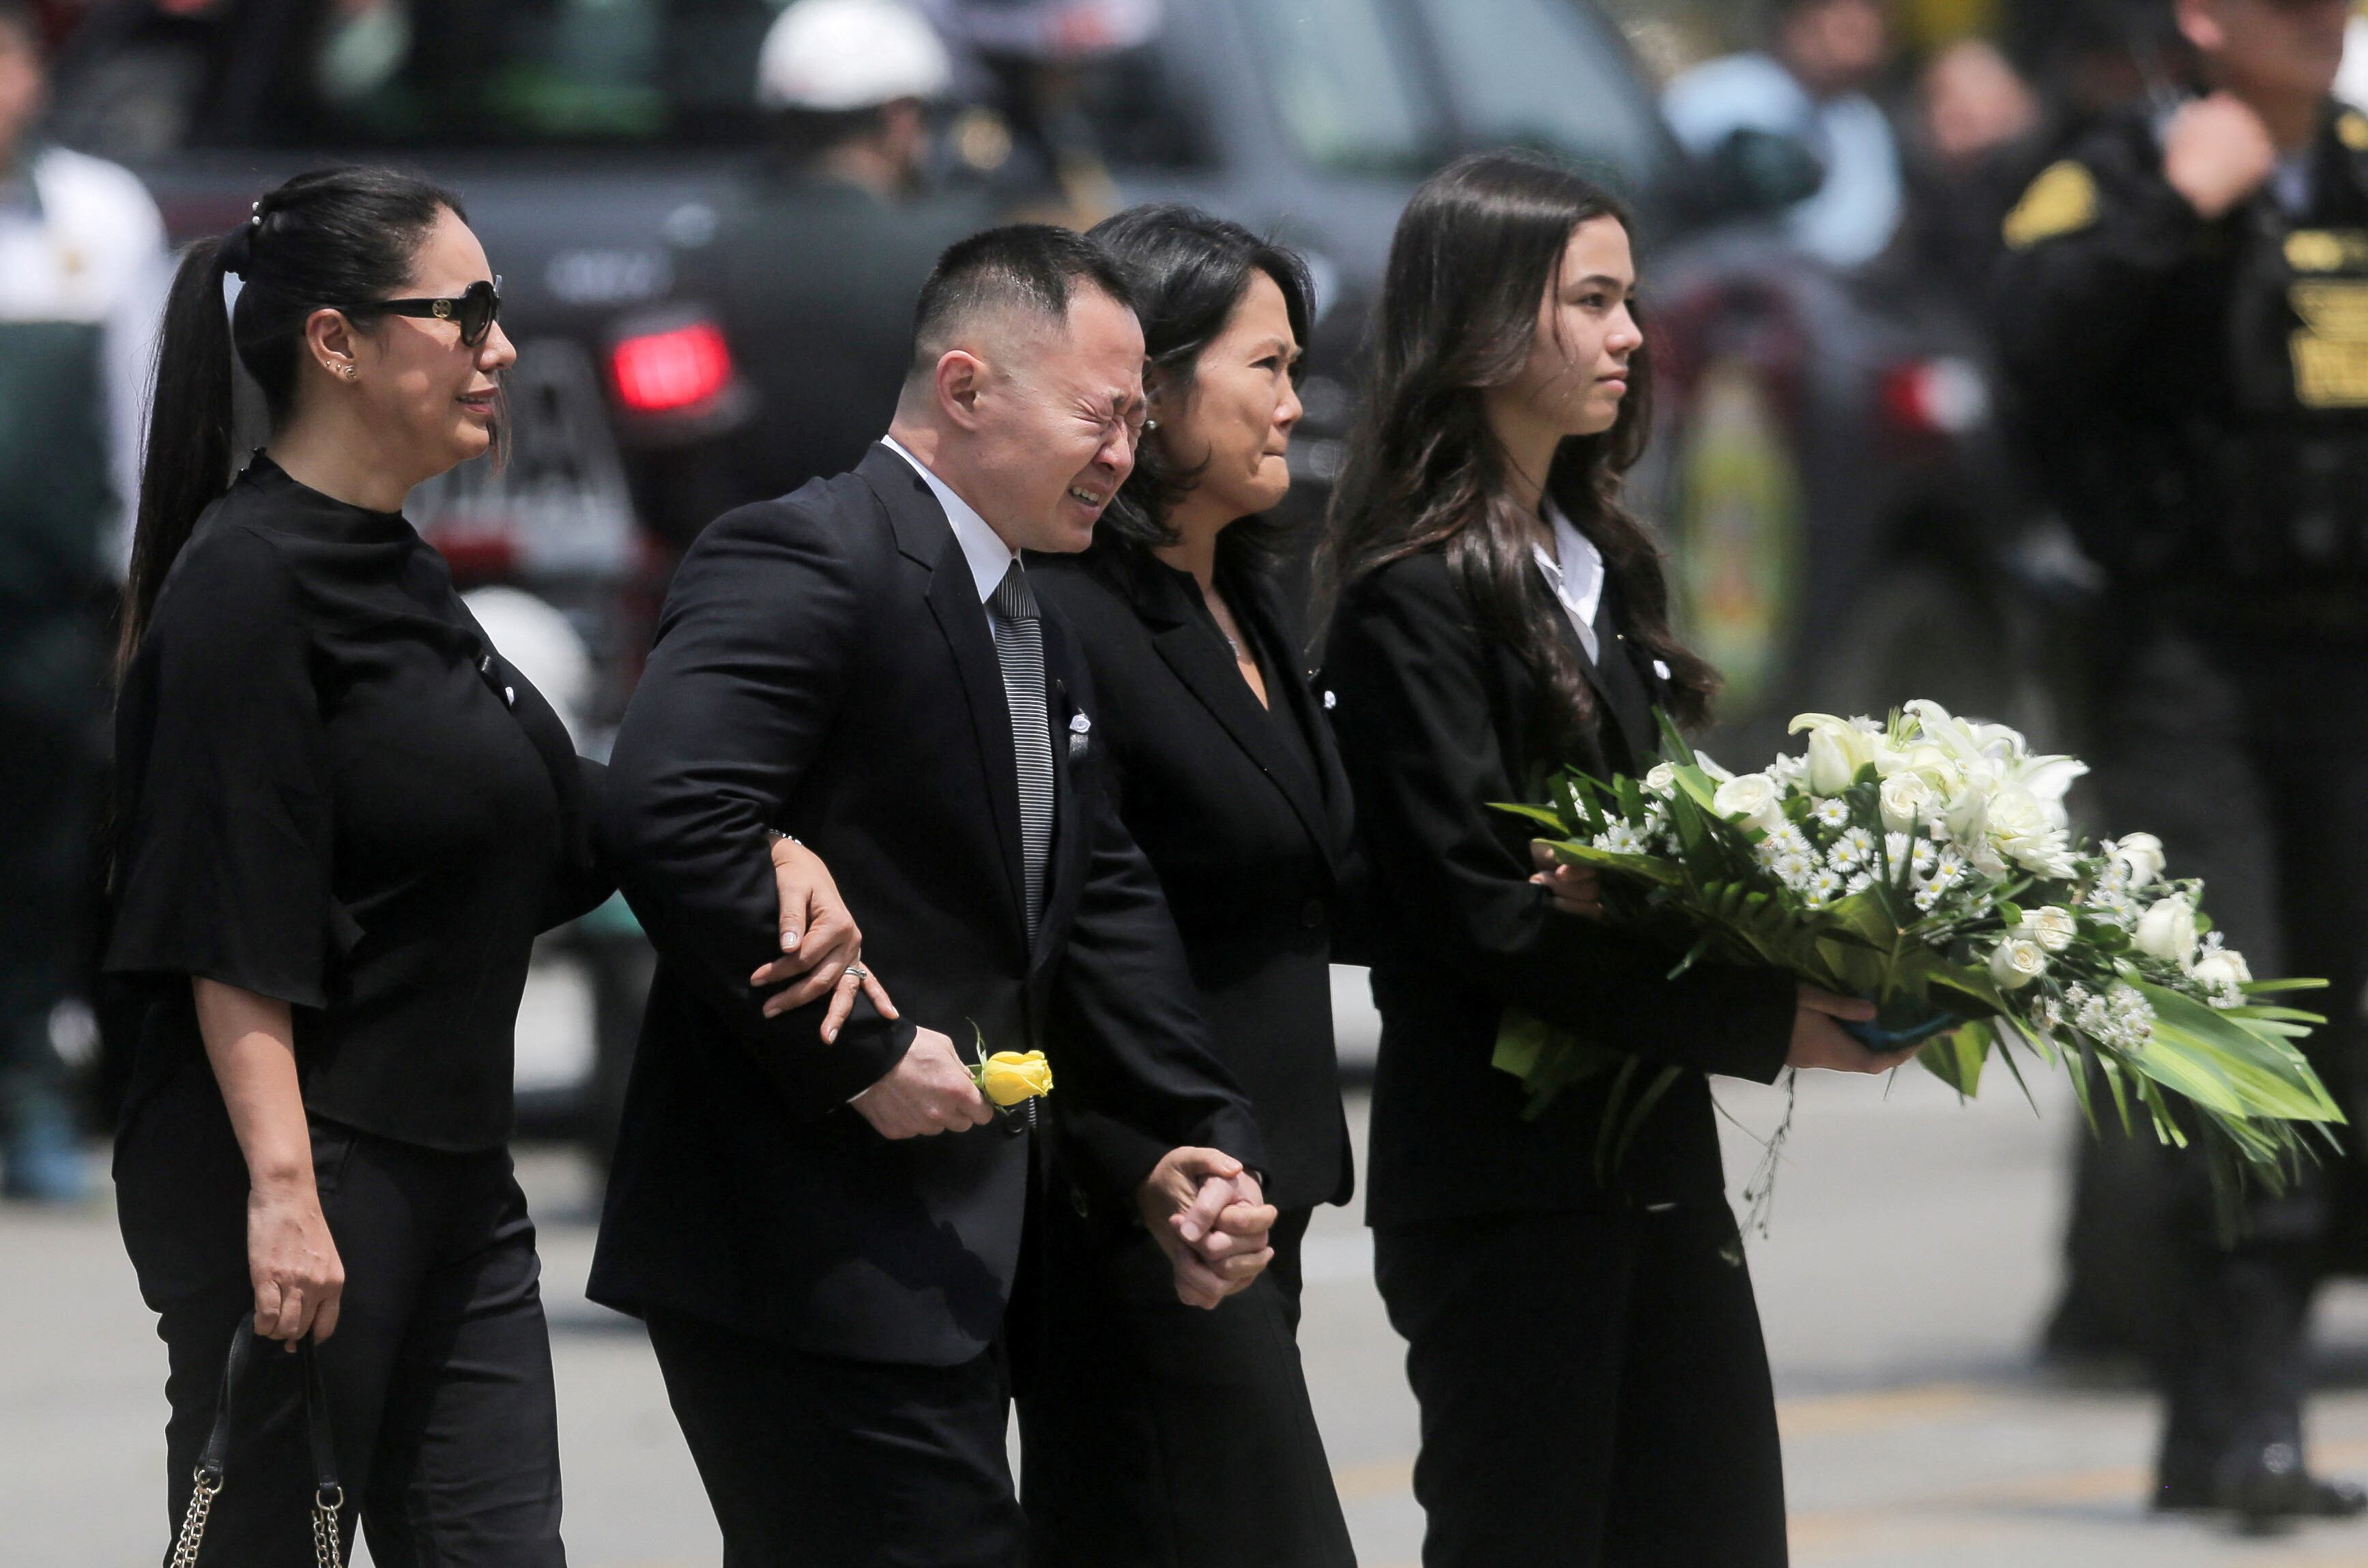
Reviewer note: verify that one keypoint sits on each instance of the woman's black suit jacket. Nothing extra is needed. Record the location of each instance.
(1436, 721)
(1248, 827)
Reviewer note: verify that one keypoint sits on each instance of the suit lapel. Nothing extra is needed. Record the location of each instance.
(924, 535)
(1327, 810)
(1616, 723)
(1632, 695)
(1200, 661)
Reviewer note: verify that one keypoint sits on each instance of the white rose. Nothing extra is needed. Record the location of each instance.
(1905, 799)
(1838, 749)
(1753, 797)
(1662, 780)
(2166, 931)
(2141, 852)
(2051, 927)
(2016, 962)
(2223, 969)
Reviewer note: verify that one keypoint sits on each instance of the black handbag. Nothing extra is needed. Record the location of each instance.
(328, 1496)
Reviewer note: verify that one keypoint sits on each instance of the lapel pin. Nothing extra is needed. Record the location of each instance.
(1661, 668)
(1330, 702)
(1079, 723)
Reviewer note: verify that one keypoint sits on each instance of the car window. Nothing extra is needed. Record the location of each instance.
(1546, 73)
(414, 71)
(1337, 75)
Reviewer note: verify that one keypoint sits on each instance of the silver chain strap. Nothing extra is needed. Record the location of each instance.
(193, 1523)
(327, 1547)
(325, 1544)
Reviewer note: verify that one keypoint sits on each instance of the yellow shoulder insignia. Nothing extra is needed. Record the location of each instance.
(2351, 130)
(2063, 198)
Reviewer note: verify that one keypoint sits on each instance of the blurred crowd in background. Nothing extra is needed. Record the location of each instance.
(713, 216)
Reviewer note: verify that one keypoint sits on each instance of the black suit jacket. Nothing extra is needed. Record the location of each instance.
(1435, 721)
(824, 667)
(1250, 834)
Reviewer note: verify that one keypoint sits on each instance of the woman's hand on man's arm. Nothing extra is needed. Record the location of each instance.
(822, 947)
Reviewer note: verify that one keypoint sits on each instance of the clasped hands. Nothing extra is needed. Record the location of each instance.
(1204, 1209)
(1818, 1038)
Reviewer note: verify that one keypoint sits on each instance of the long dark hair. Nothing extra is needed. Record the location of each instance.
(1190, 272)
(1475, 252)
(332, 237)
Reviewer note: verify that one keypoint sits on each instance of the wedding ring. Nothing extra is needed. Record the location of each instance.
(855, 971)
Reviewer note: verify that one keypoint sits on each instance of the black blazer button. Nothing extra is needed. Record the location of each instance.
(1314, 916)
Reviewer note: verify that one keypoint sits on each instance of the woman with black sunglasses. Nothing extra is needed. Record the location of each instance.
(342, 820)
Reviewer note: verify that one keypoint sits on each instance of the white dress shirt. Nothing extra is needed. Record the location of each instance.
(982, 547)
(1575, 572)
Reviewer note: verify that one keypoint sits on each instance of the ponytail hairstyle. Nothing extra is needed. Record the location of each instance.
(1475, 252)
(331, 238)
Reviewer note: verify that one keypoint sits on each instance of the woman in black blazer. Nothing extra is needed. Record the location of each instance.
(1587, 1353)
(1156, 1433)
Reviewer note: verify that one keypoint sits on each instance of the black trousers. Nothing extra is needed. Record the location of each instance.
(439, 1373)
(1594, 1391)
(813, 1461)
(1160, 1436)
(2250, 761)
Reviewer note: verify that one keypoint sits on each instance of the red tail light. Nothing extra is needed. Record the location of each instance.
(1945, 396)
(663, 372)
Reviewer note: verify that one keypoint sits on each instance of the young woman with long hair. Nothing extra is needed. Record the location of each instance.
(1141, 1408)
(342, 819)
(1580, 1327)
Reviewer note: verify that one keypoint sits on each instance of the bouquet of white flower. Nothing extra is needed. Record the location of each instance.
(1928, 864)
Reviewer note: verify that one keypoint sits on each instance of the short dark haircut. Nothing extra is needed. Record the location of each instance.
(1190, 270)
(1036, 267)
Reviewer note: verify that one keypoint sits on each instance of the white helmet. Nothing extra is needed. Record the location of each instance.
(835, 55)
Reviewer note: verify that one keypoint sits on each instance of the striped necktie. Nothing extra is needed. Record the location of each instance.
(1020, 649)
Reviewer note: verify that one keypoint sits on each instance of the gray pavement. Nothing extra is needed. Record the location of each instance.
(1909, 1261)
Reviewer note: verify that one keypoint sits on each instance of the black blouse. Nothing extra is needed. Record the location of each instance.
(333, 791)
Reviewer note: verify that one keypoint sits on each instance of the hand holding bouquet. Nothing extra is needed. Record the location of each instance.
(1928, 864)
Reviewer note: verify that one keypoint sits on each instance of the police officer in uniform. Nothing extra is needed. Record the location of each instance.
(2184, 309)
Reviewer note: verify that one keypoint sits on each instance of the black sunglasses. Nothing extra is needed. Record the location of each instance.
(476, 309)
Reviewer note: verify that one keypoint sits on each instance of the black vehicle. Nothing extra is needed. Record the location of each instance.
(1826, 472)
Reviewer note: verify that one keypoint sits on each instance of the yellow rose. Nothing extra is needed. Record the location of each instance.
(1008, 1077)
